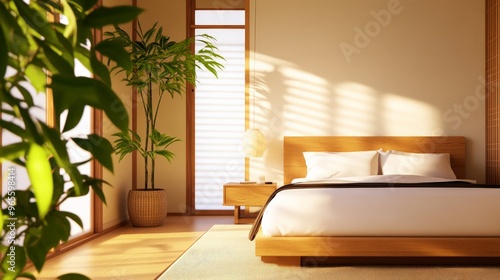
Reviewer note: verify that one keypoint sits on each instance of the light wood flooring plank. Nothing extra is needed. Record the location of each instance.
(133, 253)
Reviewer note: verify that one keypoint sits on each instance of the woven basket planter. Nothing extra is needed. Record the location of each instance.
(147, 208)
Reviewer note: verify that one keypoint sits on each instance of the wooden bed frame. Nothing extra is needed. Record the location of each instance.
(375, 250)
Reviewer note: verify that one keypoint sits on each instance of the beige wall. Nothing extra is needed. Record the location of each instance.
(377, 67)
(116, 196)
(344, 67)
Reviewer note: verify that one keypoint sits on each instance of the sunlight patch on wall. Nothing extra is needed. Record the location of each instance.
(261, 66)
(307, 95)
(406, 116)
(355, 111)
(291, 101)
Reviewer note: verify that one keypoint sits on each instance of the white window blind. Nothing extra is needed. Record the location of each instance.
(81, 206)
(220, 113)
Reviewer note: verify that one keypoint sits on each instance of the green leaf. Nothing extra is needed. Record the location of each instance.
(14, 128)
(36, 77)
(84, 5)
(50, 5)
(162, 140)
(100, 70)
(67, 50)
(84, 190)
(37, 253)
(112, 105)
(59, 182)
(55, 62)
(58, 149)
(18, 41)
(73, 276)
(38, 22)
(135, 135)
(27, 97)
(147, 35)
(54, 230)
(99, 147)
(40, 174)
(72, 216)
(166, 154)
(84, 36)
(96, 185)
(12, 270)
(82, 54)
(27, 275)
(71, 92)
(71, 27)
(73, 116)
(114, 51)
(25, 199)
(4, 53)
(30, 126)
(14, 151)
(124, 144)
(103, 16)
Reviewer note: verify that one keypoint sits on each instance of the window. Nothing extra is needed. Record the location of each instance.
(81, 206)
(219, 107)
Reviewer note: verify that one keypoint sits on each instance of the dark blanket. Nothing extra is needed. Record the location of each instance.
(449, 184)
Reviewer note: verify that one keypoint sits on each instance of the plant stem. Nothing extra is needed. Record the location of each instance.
(146, 173)
(160, 96)
(152, 124)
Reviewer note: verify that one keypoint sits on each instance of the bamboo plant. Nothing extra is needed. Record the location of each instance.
(160, 66)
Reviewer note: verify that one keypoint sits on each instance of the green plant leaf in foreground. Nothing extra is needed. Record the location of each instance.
(73, 93)
(3, 53)
(99, 147)
(12, 270)
(40, 174)
(113, 50)
(103, 16)
(72, 216)
(14, 151)
(36, 52)
(73, 276)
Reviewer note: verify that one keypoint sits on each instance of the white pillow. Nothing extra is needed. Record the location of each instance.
(325, 165)
(423, 164)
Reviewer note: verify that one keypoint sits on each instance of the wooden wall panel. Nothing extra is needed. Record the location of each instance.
(492, 100)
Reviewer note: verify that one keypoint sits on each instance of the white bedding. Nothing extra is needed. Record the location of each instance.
(398, 211)
(392, 178)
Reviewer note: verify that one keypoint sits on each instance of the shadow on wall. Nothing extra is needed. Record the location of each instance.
(302, 103)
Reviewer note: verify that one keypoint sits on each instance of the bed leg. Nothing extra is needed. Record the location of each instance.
(281, 261)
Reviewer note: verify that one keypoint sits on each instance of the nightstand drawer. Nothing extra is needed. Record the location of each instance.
(247, 194)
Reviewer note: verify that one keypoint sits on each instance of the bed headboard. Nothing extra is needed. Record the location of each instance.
(294, 165)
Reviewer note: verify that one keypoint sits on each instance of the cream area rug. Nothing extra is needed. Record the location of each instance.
(224, 252)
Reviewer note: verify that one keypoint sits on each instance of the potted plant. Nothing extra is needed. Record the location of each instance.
(160, 66)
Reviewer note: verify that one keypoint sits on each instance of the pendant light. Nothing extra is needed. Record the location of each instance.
(254, 141)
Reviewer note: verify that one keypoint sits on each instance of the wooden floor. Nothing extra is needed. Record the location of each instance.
(133, 253)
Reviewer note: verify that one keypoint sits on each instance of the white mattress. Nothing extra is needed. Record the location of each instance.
(402, 211)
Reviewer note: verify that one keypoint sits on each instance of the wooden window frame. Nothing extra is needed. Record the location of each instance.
(190, 105)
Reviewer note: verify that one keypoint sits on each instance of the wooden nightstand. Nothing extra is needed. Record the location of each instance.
(237, 195)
